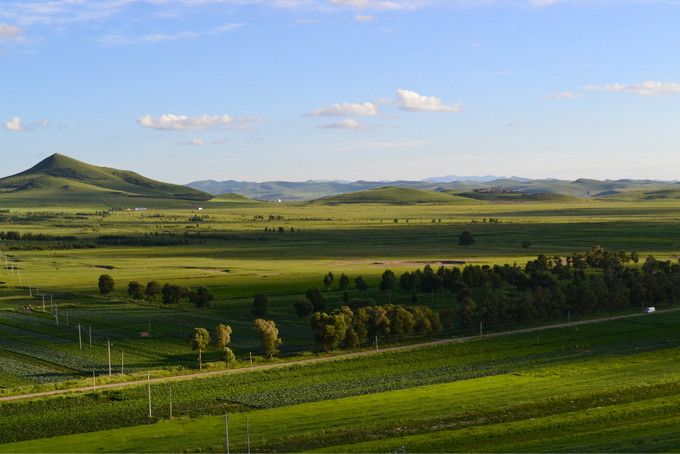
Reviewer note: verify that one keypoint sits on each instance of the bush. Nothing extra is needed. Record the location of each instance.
(105, 284)
(303, 307)
(260, 305)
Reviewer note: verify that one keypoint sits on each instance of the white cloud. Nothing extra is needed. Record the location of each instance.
(366, 109)
(193, 142)
(120, 40)
(344, 124)
(414, 102)
(380, 4)
(16, 124)
(9, 31)
(564, 95)
(647, 88)
(172, 122)
(364, 18)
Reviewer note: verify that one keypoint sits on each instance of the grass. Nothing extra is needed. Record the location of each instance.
(492, 387)
(572, 351)
(636, 387)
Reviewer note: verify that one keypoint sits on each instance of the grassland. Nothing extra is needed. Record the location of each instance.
(226, 248)
(504, 394)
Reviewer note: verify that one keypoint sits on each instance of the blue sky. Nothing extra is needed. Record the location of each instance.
(183, 90)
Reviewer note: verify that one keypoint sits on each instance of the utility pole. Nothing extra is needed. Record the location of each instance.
(56, 313)
(148, 382)
(248, 433)
(43, 302)
(226, 433)
(481, 330)
(170, 388)
(376, 342)
(30, 292)
(80, 338)
(51, 302)
(108, 345)
(89, 328)
(251, 360)
(200, 360)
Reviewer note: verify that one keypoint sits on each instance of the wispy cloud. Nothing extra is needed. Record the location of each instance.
(414, 102)
(344, 124)
(8, 31)
(172, 122)
(647, 88)
(121, 39)
(364, 18)
(564, 95)
(346, 109)
(381, 4)
(16, 124)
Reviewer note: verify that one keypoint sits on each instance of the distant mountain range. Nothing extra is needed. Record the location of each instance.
(62, 181)
(483, 187)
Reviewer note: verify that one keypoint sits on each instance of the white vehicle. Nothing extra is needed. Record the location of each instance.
(650, 310)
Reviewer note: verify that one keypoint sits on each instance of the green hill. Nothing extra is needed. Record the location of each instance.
(60, 180)
(513, 196)
(395, 196)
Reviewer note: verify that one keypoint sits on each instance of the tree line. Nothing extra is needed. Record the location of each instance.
(202, 297)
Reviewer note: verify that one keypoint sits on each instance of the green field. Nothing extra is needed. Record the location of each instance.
(507, 393)
(235, 247)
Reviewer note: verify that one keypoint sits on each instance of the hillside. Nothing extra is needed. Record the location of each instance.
(395, 196)
(524, 188)
(59, 179)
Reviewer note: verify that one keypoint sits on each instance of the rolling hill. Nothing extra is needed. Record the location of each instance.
(394, 196)
(485, 188)
(61, 180)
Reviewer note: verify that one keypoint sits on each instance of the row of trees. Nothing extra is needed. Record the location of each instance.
(352, 326)
(200, 340)
(549, 287)
(153, 290)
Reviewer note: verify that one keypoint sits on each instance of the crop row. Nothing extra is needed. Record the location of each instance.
(321, 381)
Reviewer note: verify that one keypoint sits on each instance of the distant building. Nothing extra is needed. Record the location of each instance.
(141, 209)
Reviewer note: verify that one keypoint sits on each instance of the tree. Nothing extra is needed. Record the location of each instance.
(260, 305)
(317, 299)
(199, 340)
(303, 307)
(330, 329)
(269, 335)
(328, 280)
(360, 283)
(222, 336)
(635, 257)
(466, 239)
(228, 357)
(387, 283)
(135, 290)
(153, 290)
(201, 297)
(343, 283)
(171, 293)
(105, 284)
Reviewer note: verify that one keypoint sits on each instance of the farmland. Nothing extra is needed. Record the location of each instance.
(236, 249)
(493, 385)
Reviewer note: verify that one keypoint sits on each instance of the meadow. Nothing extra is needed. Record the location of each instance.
(507, 393)
(239, 247)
